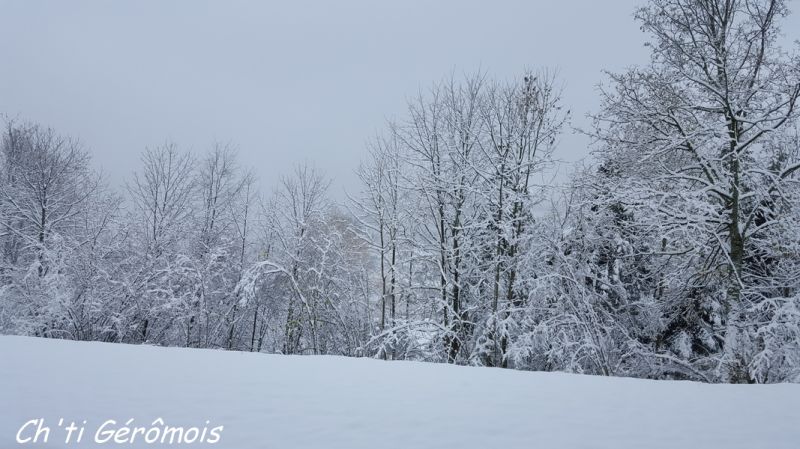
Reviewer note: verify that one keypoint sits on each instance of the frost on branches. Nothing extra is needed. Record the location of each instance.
(676, 255)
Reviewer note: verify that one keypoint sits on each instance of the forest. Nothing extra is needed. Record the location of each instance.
(673, 253)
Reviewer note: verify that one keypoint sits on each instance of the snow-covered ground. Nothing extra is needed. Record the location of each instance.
(269, 401)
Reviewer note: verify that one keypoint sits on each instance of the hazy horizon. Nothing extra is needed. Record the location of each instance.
(292, 82)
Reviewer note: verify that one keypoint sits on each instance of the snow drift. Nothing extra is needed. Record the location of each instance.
(270, 401)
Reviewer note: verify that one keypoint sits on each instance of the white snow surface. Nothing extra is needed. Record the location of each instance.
(273, 401)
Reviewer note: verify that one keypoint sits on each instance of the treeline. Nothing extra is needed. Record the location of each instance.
(676, 255)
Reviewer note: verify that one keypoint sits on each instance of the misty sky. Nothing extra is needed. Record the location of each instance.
(287, 82)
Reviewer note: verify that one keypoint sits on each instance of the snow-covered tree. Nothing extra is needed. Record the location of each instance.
(687, 137)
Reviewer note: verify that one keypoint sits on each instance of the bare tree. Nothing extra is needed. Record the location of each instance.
(162, 193)
(47, 182)
(522, 121)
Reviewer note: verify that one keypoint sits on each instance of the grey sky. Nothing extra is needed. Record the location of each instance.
(286, 81)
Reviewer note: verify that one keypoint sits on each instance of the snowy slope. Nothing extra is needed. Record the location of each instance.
(268, 401)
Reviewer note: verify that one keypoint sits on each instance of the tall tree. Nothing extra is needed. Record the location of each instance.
(687, 133)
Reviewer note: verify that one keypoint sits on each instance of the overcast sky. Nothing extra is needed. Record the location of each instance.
(286, 81)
